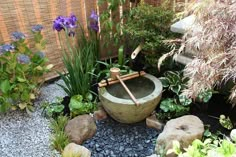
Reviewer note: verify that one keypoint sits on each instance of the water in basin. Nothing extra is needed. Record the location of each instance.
(139, 87)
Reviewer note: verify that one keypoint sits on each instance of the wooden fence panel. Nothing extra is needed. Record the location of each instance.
(21, 15)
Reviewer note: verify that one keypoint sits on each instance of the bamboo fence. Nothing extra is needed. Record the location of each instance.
(21, 15)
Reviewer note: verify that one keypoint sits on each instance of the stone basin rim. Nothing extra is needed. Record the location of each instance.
(155, 93)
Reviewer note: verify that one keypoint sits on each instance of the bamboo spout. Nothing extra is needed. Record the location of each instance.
(136, 52)
(115, 72)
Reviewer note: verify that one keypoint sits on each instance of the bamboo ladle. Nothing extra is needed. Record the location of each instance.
(115, 72)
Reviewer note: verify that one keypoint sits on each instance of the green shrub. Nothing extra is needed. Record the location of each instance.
(21, 69)
(149, 25)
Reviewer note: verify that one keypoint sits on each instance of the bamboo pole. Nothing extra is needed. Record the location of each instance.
(111, 81)
(128, 91)
(136, 52)
(115, 78)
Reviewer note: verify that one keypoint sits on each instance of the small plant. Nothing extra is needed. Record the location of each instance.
(174, 81)
(172, 109)
(21, 69)
(53, 110)
(78, 106)
(179, 104)
(209, 147)
(226, 122)
(59, 139)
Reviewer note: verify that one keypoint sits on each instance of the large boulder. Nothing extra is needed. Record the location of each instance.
(184, 129)
(80, 128)
(74, 150)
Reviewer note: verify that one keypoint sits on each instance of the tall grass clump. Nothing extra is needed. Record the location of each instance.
(59, 139)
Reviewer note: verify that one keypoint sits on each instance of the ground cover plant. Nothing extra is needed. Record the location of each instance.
(54, 109)
(21, 68)
(210, 146)
(175, 104)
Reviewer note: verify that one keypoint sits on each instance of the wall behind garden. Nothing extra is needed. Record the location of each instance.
(21, 15)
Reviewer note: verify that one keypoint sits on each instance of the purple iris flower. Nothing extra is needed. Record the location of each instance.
(94, 26)
(40, 54)
(37, 28)
(94, 16)
(58, 23)
(62, 22)
(6, 48)
(73, 19)
(23, 59)
(94, 21)
(17, 36)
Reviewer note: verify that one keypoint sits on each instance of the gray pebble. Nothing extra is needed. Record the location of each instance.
(23, 135)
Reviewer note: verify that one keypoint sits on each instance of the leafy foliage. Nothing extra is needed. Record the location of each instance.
(21, 69)
(172, 109)
(205, 96)
(226, 122)
(179, 105)
(174, 81)
(78, 106)
(110, 28)
(53, 110)
(149, 25)
(59, 139)
(210, 147)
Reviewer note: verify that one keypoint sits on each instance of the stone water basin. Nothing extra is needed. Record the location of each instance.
(147, 90)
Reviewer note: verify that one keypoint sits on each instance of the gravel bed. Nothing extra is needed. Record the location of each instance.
(22, 135)
(114, 139)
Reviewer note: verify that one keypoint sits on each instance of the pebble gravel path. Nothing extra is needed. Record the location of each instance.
(22, 135)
